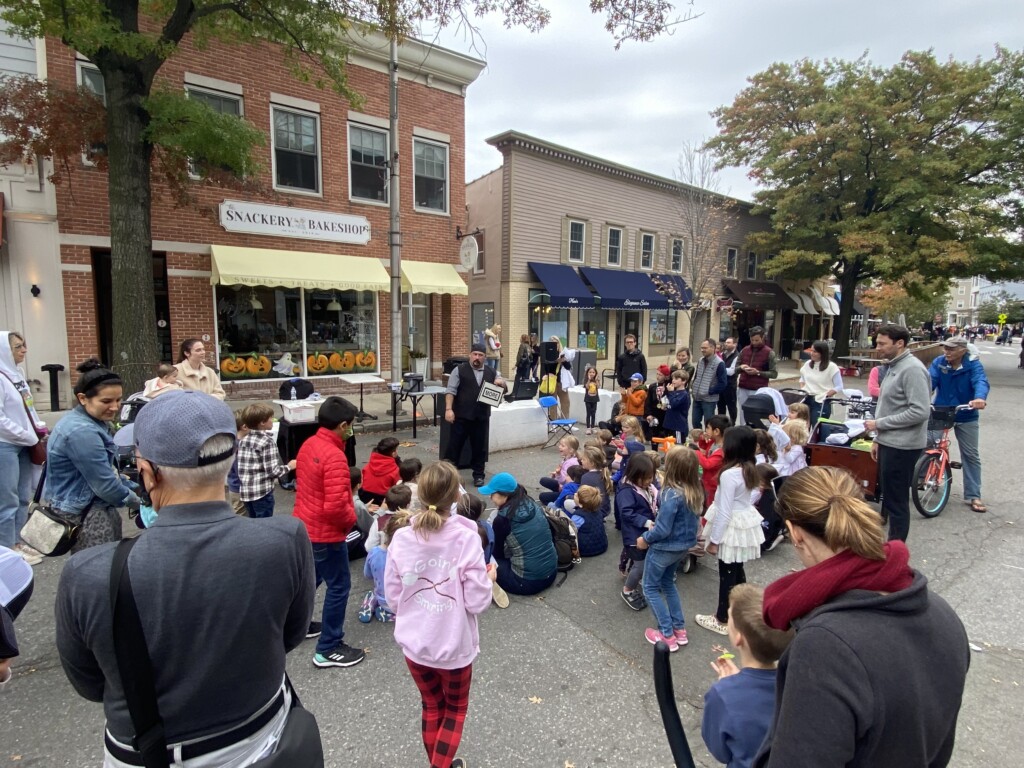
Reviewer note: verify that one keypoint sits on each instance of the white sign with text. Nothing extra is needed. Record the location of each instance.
(282, 221)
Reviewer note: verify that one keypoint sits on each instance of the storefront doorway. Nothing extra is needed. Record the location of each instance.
(105, 309)
(628, 324)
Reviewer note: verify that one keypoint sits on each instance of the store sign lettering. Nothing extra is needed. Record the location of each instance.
(281, 221)
(573, 301)
(635, 303)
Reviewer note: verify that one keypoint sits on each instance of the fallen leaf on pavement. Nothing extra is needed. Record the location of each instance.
(535, 699)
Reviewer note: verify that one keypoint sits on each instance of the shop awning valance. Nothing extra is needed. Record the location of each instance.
(432, 277)
(563, 285)
(621, 289)
(759, 295)
(829, 306)
(804, 303)
(673, 288)
(296, 269)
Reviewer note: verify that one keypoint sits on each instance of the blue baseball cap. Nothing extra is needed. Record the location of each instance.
(502, 482)
(637, 377)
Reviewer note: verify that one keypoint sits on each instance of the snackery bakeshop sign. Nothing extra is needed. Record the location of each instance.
(282, 221)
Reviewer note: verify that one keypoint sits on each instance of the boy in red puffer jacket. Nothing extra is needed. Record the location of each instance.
(323, 502)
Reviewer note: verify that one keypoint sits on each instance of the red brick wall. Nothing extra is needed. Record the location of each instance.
(82, 206)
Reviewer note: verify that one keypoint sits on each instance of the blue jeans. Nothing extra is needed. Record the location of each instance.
(702, 411)
(492, 362)
(660, 588)
(967, 440)
(331, 563)
(261, 507)
(15, 491)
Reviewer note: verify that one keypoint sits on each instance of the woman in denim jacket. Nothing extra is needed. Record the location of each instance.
(81, 481)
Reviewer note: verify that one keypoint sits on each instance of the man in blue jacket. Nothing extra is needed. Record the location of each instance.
(958, 378)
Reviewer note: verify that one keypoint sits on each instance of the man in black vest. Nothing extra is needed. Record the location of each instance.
(727, 400)
(468, 417)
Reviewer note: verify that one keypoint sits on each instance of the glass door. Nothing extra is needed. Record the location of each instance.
(416, 317)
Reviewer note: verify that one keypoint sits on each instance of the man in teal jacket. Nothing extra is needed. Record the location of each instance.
(958, 378)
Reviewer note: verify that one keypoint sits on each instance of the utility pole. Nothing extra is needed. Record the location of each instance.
(395, 233)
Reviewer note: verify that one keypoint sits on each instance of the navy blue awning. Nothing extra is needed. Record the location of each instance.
(565, 287)
(673, 288)
(620, 289)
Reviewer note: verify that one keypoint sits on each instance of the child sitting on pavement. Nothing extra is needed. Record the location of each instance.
(373, 568)
(408, 471)
(365, 519)
(738, 708)
(259, 461)
(574, 473)
(568, 447)
(764, 499)
(471, 507)
(397, 499)
(381, 471)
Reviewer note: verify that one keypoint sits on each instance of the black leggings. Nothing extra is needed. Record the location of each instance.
(729, 575)
(553, 491)
(591, 414)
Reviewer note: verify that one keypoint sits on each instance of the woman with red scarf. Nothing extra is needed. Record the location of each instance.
(875, 673)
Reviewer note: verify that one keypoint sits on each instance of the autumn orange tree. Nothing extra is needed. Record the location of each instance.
(870, 173)
(919, 301)
(142, 125)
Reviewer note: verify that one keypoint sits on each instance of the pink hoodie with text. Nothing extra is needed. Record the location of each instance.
(437, 584)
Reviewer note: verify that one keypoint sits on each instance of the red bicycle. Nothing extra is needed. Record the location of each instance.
(934, 470)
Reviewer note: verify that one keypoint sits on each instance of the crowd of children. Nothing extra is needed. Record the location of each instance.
(712, 493)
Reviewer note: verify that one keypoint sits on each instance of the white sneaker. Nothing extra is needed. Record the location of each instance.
(29, 555)
(499, 595)
(778, 540)
(708, 621)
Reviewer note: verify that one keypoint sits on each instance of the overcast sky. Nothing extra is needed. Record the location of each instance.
(636, 106)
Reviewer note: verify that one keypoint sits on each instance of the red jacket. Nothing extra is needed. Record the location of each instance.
(323, 498)
(380, 473)
(711, 464)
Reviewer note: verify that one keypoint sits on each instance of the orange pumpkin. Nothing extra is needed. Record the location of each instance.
(317, 363)
(232, 367)
(348, 362)
(258, 365)
(336, 362)
(366, 361)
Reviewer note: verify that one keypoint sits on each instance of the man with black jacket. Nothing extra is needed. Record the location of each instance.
(629, 362)
(727, 398)
(468, 417)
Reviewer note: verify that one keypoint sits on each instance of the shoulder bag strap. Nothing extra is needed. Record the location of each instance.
(39, 486)
(28, 412)
(134, 664)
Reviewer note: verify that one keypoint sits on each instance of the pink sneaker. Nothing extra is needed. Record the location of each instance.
(654, 635)
(681, 637)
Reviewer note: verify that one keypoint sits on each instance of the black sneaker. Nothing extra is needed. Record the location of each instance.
(634, 599)
(478, 482)
(314, 629)
(458, 762)
(342, 656)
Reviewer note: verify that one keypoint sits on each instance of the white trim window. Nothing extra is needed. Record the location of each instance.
(296, 150)
(368, 164)
(676, 260)
(577, 237)
(218, 101)
(751, 266)
(480, 266)
(646, 250)
(614, 247)
(90, 78)
(430, 182)
(731, 257)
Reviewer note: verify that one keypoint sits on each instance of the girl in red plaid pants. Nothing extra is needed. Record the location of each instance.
(437, 583)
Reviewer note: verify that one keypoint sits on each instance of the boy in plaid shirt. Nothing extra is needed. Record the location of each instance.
(259, 461)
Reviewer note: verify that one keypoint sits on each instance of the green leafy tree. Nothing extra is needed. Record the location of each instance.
(1003, 303)
(917, 300)
(143, 126)
(873, 173)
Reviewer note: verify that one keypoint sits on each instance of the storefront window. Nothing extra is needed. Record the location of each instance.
(260, 332)
(547, 321)
(725, 326)
(663, 326)
(341, 332)
(416, 316)
(481, 317)
(593, 332)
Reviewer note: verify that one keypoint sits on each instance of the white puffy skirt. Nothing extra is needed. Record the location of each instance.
(743, 537)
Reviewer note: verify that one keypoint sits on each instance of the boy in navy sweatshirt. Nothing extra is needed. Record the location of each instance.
(738, 708)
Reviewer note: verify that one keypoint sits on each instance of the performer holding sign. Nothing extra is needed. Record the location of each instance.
(466, 414)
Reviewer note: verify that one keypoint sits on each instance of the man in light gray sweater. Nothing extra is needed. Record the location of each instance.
(901, 419)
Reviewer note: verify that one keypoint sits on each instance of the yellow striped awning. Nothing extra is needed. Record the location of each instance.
(296, 269)
(432, 277)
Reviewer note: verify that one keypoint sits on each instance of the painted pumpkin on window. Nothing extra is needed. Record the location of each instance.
(336, 362)
(317, 363)
(232, 367)
(348, 362)
(366, 360)
(258, 365)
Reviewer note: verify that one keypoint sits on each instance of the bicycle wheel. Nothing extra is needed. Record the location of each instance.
(933, 482)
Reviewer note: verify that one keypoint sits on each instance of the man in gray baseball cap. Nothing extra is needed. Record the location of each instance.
(222, 598)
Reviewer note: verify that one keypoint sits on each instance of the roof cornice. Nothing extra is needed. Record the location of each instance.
(517, 140)
(417, 56)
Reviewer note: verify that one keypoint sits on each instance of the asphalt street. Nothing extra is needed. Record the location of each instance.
(563, 680)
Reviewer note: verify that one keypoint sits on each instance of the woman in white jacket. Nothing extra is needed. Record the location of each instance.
(19, 424)
(820, 378)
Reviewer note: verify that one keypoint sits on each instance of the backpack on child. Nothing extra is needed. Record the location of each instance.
(563, 535)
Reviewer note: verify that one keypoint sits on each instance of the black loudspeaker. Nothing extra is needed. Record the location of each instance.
(524, 390)
(548, 356)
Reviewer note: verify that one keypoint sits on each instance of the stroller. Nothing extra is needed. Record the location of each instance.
(756, 411)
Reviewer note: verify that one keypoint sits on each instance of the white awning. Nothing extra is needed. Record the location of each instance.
(827, 305)
(804, 303)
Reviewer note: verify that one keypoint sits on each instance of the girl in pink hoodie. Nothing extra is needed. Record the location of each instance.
(437, 583)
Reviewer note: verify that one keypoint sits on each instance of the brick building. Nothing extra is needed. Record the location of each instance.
(588, 250)
(296, 282)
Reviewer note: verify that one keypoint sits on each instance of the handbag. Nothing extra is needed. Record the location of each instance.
(47, 531)
(548, 384)
(37, 452)
(299, 745)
